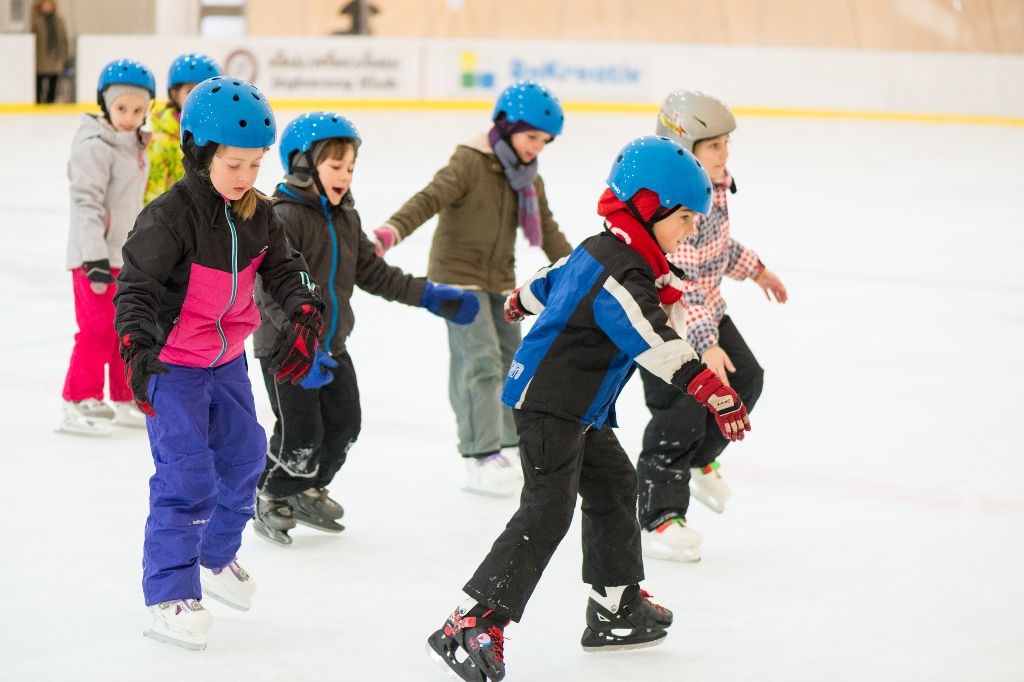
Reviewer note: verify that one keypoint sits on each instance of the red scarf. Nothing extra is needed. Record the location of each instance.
(625, 226)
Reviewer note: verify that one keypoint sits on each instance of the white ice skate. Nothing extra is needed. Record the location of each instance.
(672, 541)
(230, 585)
(708, 486)
(513, 457)
(492, 475)
(88, 417)
(181, 622)
(127, 414)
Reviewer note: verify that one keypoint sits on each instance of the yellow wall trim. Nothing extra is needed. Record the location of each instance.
(581, 107)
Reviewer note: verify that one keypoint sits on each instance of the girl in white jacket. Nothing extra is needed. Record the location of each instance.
(107, 173)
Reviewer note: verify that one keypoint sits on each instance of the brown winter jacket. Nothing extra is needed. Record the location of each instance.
(50, 59)
(474, 244)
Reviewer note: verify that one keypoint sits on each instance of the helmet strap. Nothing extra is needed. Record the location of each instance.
(308, 156)
(660, 214)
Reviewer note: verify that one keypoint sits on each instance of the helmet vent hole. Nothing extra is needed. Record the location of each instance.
(266, 122)
(242, 123)
(334, 119)
(255, 96)
(619, 160)
(235, 83)
(547, 112)
(235, 98)
(216, 89)
(679, 152)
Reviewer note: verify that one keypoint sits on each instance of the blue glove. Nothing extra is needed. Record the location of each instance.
(320, 373)
(454, 305)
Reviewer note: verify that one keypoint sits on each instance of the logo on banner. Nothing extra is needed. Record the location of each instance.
(241, 64)
(471, 74)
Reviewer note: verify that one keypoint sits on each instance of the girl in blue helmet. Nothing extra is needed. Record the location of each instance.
(164, 150)
(319, 420)
(488, 189)
(599, 315)
(184, 310)
(107, 175)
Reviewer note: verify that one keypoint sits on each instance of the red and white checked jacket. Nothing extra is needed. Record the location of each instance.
(708, 255)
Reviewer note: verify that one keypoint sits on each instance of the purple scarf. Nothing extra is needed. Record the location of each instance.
(520, 177)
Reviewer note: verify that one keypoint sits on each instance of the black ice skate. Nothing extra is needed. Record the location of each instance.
(634, 623)
(479, 638)
(309, 510)
(274, 518)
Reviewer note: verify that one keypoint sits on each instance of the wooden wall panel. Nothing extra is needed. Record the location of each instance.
(962, 25)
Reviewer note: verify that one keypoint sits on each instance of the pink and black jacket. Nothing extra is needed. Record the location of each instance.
(190, 268)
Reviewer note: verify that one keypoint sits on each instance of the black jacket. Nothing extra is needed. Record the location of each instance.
(340, 257)
(190, 270)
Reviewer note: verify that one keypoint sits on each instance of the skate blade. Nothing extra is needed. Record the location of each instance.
(322, 529)
(443, 664)
(624, 647)
(167, 638)
(276, 537)
(129, 424)
(489, 492)
(679, 556)
(99, 430)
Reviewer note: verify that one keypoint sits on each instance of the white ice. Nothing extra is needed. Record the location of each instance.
(877, 526)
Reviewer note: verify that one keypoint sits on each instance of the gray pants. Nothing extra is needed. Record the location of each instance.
(480, 355)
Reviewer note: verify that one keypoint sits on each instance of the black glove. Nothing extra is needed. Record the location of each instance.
(138, 350)
(98, 271)
(292, 357)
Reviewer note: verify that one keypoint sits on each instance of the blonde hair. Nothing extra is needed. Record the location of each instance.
(245, 208)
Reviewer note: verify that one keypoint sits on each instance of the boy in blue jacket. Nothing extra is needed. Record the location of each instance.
(599, 315)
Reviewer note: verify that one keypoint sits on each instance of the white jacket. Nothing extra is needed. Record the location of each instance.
(107, 173)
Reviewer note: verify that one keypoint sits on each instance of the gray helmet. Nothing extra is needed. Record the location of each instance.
(689, 116)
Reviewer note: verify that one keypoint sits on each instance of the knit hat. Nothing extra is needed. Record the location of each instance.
(112, 92)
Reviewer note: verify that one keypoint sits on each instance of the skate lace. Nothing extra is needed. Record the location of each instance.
(649, 598)
(497, 642)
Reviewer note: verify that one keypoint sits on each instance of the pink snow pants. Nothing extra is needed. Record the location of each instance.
(95, 344)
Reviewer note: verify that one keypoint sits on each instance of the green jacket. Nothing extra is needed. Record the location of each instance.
(478, 218)
(164, 152)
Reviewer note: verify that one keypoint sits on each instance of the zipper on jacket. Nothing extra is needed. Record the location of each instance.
(234, 285)
(334, 267)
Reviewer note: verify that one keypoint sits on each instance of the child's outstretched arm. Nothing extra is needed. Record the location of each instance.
(449, 185)
(630, 314)
(744, 263)
(531, 297)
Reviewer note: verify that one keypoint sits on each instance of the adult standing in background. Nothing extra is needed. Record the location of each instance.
(51, 48)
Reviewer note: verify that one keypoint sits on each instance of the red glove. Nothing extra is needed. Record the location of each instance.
(138, 350)
(514, 310)
(729, 411)
(292, 358)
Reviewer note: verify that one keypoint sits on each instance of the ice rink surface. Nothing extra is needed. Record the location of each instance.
(877, 526)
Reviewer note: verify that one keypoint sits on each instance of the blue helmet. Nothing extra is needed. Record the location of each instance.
(191, 68)
(531, 102)
(228, 111)
(662, 166)
(125, 72)
(300, 134)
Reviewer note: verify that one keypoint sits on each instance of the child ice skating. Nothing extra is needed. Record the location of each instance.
(165, 169)
(184, 309)
(319, 420)
(681, 444)
(107, 175)
(599, 312)
(489, 186)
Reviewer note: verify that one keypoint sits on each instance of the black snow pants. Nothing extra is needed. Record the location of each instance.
(560, 459)
(683, 435)
(314, 430)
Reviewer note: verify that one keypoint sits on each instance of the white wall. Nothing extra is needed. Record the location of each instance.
(374, 68)
(19, 81)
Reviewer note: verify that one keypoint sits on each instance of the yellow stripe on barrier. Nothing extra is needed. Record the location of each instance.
(577, 107)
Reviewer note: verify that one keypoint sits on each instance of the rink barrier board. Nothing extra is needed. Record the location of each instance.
(580, 107)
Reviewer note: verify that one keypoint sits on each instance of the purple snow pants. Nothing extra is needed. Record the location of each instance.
(209, 452)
